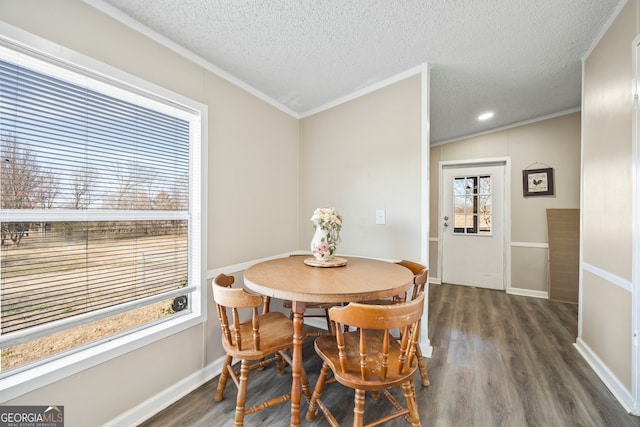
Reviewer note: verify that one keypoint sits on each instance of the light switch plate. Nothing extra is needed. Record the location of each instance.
(380, 216)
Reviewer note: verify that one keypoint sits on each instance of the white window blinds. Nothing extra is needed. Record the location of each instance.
(96, 194)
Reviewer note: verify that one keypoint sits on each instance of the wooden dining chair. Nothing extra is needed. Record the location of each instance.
(370, 358)
(261, 340)
(420, 277)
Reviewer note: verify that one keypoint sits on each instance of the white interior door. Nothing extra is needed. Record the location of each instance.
(472, 226)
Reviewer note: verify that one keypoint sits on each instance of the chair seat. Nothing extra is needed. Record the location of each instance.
(276, 331)
(328, 351)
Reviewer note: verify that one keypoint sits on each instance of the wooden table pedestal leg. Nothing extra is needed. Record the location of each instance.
(298, 337)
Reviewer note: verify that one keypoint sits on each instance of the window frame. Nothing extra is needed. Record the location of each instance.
(54, 368)
(474, 195)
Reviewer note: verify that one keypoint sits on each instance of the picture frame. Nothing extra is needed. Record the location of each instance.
(537, 182)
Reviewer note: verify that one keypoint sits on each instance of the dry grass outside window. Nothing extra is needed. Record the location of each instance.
(32, 351)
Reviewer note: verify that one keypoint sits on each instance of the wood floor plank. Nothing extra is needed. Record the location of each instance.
(498, 360)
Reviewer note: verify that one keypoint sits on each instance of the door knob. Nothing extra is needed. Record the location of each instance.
(446, 224)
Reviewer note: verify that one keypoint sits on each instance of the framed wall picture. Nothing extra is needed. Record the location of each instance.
(537, 182)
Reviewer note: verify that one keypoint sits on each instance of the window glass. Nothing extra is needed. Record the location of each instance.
(97, 208)
(472, 205)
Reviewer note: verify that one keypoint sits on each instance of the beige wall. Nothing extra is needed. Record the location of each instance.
(252, 169)
(607, 113)
(253, 177)
(366, 155)
(554, 142)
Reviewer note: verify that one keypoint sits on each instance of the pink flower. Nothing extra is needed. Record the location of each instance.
(322, 248)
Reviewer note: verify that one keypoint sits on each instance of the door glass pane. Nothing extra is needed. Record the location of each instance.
(459, 204)
(484, 212)
(469, 220)
(484, 205)
(468, 205)
(485, 185)
(470, 185)
(459, 185)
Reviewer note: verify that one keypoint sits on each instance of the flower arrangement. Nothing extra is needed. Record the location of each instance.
(327, 218)
(328, 223)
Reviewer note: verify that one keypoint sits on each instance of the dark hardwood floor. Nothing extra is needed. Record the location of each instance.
(498, 360)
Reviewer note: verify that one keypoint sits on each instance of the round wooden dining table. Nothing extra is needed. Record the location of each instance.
(361, 279)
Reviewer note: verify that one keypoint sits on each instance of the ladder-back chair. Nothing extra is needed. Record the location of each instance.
(370, 358)
(258, 342)
(420, 277)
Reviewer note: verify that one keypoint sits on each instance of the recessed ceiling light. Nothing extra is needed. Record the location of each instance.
(485, 116)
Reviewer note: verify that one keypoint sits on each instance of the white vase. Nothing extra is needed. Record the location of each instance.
(323, 243)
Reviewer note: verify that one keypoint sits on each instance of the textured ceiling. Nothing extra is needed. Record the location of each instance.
(518, 58)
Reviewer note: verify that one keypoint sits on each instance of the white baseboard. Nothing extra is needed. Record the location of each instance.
(162, 400)
(528, 293)
(618, 390)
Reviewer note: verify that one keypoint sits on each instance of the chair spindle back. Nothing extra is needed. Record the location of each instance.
(374, 322)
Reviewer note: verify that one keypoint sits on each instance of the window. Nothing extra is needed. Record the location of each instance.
(472, 205)
(100, 209)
